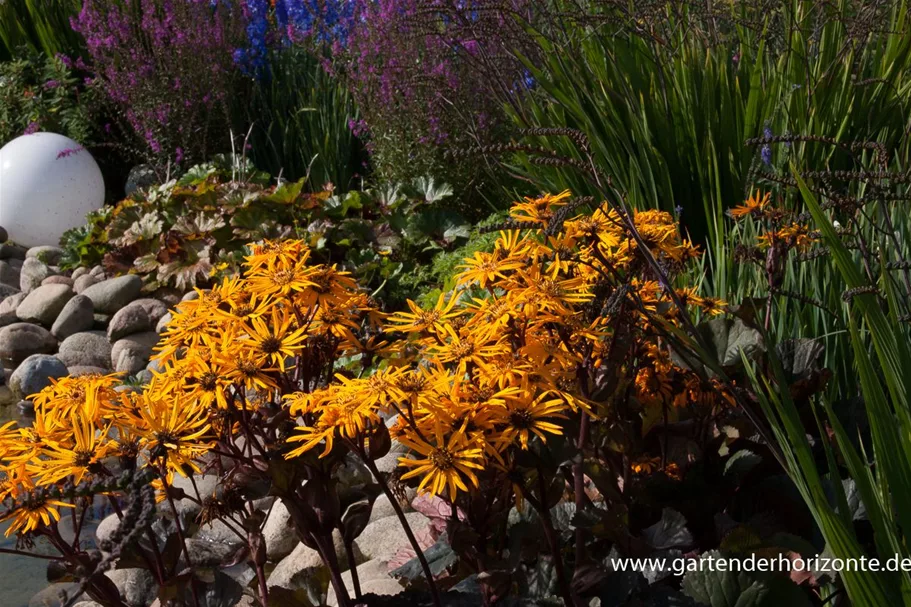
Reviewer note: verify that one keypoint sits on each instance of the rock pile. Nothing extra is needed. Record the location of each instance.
(55, 323)
(382, 547)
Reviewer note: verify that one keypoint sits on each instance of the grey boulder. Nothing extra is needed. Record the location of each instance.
(204, 553)
(56, 279)
(43, 304)
(106, 528)
(132, 353)
(8, 319)
(169, 295)
(86, 349)
(20, 340)
(7, 291)
(11, 302)
(77, 370)
(162, 323)
(83, 282)
(34, 374)
(382, 507)
(110, 295)
(77, 315)
(279, 533)
(9, 275)
(136, 317)
(294, 570)
(32, 274)
(137, 586)
(53, 595)
(12, 251)
(383, 538)
(373, 578)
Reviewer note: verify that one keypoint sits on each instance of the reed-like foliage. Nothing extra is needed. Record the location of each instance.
(879, 467)
(298, 118)
(39, 25)
(668, 93)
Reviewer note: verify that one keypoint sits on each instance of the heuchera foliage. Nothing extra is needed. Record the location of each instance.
(168, 67)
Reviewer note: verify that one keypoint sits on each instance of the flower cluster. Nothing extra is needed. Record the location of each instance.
(496, 365)
(167, 66)
(275, 24)
(278, 378)
(778, 225)
(39, 93)
(79, 428)
(224, 362)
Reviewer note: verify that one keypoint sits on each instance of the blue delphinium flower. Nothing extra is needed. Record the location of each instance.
(327, 21)
(253, 59)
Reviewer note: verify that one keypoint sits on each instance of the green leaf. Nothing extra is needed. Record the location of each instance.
(338, 206)
(439, 557)
(285, 597)
(222, 592)
(355, 519)
(855, 501)
(58, 573)
(431, 191)
(435, 223)
(729, 338)
(740, 464)
(669, 532)
(541, 579)
(800, 357)
(740, 589)
(197, 175)
(620, 588)
(286, 193)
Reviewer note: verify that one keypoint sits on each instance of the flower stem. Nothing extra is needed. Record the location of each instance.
(579, 486)
(328, 555)
(425, 566)
(352, 566)
(180, 534)
(261, 580)
(341, 592)
(551, 535)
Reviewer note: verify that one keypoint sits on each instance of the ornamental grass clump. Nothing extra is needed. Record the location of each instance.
(529, 387)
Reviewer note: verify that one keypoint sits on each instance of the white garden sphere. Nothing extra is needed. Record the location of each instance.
(48, 183)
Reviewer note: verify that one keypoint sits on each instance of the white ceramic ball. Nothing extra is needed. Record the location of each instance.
(48, 183)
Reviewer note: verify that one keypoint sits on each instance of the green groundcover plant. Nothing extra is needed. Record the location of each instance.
(193, 230)
(39, 93)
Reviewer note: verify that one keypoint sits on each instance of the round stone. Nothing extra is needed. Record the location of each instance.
(48, 183)
(42, 305)
(35, 374)
(110, 295)
(131, 354)
(20, 340)
(86, 349)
